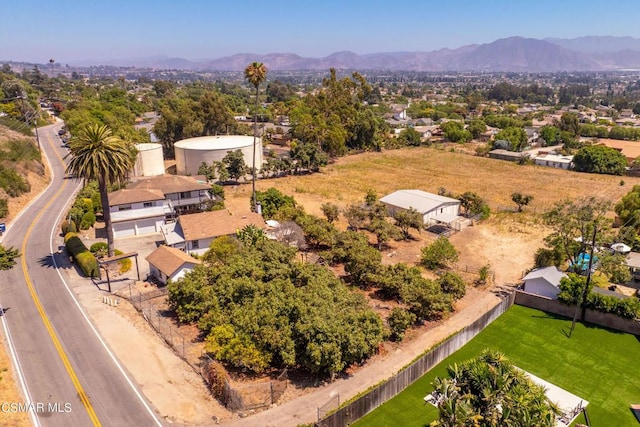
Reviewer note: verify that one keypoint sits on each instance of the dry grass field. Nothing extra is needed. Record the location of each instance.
(348, 179)
(507, 240)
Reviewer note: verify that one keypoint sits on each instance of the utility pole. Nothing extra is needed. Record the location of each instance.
(585, 291)
(52, 61)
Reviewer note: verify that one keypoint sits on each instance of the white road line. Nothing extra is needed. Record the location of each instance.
(104, 344)
(5, 325)
(18, 368)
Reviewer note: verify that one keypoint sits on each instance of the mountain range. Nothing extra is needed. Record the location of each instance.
(516, 54)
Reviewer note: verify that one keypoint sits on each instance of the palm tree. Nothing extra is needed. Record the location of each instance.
(255, 74)
(98, 155)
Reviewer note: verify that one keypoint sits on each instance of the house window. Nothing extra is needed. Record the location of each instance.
(195, 244)
(185, 194)
(147, 204)
(124, 208)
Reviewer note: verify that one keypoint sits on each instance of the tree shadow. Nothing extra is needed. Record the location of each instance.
(58, 259)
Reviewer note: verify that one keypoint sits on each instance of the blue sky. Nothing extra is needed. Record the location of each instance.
(76, 30)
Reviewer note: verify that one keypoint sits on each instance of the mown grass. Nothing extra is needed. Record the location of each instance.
(596, 364)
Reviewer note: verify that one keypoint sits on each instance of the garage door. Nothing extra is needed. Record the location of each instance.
(123, 229)
(146, 226)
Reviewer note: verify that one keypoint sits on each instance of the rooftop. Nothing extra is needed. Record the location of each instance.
(216, 223)
(168, 260)
(170, 184)
(419, 200)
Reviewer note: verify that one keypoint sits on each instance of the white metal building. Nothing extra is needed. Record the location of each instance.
(192, 152)
(432, 207)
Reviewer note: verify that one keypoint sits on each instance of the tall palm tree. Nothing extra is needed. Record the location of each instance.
(255, 74)
(97, 154)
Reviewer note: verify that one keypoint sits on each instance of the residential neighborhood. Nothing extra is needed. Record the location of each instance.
(407, 235)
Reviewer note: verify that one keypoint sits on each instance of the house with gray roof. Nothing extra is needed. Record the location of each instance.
(544, 282)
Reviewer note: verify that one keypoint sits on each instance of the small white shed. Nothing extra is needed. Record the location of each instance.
(544, 282)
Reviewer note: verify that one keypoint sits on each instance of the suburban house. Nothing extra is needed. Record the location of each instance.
(183, 194)
(554, 161)
(167, 263)
(137, 211)
(193, 233)
(433, 207)
(544, 282)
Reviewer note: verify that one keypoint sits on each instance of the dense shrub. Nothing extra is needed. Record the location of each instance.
(272, 200)
(452, 284)
(12, 183)
(216, 377)
(399, 321)
(85, 259)
(439, 254)
(4, 208)
(68, 227)
(99, 249)
(629, 308)
(124, 264)
(88, 219)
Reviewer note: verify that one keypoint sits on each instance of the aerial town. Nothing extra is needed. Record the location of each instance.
(329, 247)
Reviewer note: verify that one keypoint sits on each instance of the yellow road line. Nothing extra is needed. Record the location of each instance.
(45, 319)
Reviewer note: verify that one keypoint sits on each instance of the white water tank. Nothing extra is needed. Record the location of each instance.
(192, 152)
(150, 161)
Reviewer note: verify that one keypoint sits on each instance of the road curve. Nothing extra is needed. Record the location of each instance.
(67, 373)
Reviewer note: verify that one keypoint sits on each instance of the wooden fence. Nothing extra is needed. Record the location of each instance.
(390, 388)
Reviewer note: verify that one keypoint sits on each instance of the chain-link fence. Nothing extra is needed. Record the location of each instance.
(243, 397)
(236, 397)
(330, 406)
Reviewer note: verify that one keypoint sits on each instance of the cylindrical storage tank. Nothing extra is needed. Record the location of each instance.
(192, 152)
(150, 161)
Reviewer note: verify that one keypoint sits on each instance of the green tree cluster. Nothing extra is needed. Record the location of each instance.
(516, 136)
(533, 93)
(258, 308)
(599, 159)
(440, 254)
(336, 118)
(194, 110)
(454, 131)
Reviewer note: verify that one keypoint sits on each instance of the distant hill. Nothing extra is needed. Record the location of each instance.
(597, 44)
(591, 53)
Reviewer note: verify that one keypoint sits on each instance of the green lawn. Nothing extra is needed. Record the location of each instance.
(599, 365)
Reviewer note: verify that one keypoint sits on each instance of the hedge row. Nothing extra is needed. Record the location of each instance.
(85, 259)
(629, 308)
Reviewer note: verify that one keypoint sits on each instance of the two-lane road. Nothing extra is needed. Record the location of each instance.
(69, 376)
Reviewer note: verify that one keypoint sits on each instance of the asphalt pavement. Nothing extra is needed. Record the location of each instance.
(67, 373)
